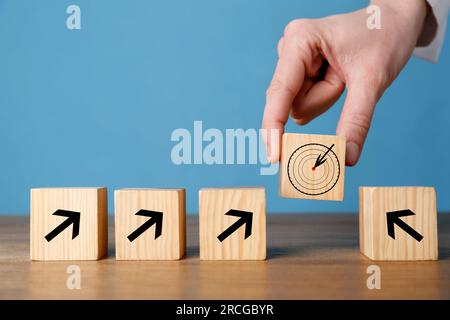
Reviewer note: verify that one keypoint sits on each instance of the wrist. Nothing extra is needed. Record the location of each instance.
(416, 10)
(405, 14)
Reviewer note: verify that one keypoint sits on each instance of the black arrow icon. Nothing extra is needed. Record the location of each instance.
(245, 218)
(73, 217)
(321, 158)
(155, 218)
(394, 218)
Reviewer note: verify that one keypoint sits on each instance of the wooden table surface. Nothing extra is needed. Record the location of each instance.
(310, 256)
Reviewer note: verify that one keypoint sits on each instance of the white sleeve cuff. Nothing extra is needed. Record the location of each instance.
(431, 52)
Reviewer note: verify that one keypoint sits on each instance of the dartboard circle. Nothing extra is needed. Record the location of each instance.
(301, 175)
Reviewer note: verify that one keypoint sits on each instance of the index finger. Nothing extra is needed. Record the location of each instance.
(286, 82)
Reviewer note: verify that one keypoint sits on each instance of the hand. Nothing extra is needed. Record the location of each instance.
(319, 58)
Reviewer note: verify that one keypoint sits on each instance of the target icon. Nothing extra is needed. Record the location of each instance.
(313, 169)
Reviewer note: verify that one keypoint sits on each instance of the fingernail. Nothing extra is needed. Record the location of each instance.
(353, 153)
(271, 158)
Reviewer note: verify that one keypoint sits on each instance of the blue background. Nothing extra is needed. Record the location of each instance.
(97, 106)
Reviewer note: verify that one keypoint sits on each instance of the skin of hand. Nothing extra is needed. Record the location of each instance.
(319, 58)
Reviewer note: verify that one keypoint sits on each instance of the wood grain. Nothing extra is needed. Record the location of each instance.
(312, 182)
(309, 256)
(90, 244)
(171, 245)
(375, 242)
(214, 204)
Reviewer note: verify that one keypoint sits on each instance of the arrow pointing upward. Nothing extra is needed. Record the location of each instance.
(245, 218)
(73, 217)
(155, 218)
(393, 218)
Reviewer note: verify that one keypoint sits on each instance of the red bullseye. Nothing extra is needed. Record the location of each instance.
(313, 168)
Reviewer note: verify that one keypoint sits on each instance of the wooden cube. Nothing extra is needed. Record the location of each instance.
(312, 167)
(69, 223)
(232, 224)
(150, 224)
(398, 223)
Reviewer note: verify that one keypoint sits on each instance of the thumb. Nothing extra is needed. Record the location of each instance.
(355, 119)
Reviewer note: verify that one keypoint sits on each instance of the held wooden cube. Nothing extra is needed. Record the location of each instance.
(150, 224)
(232, 224)
(68, 223)
(398, 223)
(312, 167)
